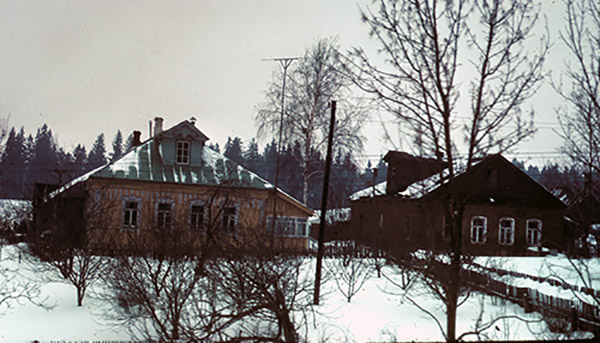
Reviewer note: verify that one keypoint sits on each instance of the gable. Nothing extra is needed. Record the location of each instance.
(184, 130)
(497, 180)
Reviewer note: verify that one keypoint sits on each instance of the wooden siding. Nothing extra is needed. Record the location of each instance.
(252, 207)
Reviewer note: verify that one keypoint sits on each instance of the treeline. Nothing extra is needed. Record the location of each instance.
(346, 176)
(28, 159)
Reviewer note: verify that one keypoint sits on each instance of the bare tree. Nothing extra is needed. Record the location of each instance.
(580, 119)
(313, 82)
(270, 295)
(15, 282)
(66, 245)
(3, 133)
(159, 284)
(349, 270)
(425, 54)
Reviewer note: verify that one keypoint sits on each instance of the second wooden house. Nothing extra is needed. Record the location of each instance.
(505, 211)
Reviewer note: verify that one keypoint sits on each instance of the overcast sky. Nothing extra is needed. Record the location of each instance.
(86, 67)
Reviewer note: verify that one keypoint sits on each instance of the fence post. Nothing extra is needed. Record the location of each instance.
(526, 304)
(574, 319)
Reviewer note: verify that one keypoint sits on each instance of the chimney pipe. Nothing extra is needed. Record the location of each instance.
(158, 126)
(135, 141)
(193, 120)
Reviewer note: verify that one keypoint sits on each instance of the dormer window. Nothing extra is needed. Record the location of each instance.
(182, 154)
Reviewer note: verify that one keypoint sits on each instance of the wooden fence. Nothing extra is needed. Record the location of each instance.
(581, 314)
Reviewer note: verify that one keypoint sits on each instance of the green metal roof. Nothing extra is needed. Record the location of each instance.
(144, 163)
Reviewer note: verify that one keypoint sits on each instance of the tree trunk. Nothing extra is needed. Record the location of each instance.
(289, 331)
(80, 295)
(451, 318)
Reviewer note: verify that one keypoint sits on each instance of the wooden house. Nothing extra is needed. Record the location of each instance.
(504, 211)
(173, 184)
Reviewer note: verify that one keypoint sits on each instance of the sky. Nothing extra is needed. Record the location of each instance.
(86, 67)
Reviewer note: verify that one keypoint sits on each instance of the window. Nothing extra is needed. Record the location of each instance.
(197, 218)
(228, 216)
(478, 230)
(506, 232)
(130, 215)
(301, 227)
(163, 216)
(446, 234)
(534, 232)
(183, 152)
(288, 226)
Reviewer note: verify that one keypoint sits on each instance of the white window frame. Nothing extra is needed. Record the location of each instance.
(289, 226)
(129, 226)
(478, 239)
(183, 153)
(532, 232)
(506, 235)
(232, 219)
(157, 214)
(202, 227)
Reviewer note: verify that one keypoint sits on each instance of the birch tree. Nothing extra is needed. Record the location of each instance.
(580, 117)
(311, 84)
(430, 49)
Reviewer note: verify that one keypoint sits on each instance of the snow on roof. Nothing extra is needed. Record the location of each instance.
(144, 163)
(380, 189)
(333, 215)
(414, 191)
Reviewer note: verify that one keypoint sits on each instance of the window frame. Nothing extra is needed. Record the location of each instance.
(446, 234)
(202, 227)
(288, 226)
(184, 157)
(136, 211)
(502, 236)
(483, 238)
(231, 218)
(538, 231)
(162, 226)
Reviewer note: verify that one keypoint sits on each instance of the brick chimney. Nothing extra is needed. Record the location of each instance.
(158, 126)
(135, 141)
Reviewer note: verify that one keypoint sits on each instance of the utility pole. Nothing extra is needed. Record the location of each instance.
(324, 207)
(285, 62)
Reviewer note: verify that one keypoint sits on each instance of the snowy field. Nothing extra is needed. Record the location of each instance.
(380, 311)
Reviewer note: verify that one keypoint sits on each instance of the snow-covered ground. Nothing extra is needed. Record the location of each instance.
(380, 311)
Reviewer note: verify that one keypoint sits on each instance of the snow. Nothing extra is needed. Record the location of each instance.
(12, 210)
(380, 189)
(380, 311)
(414, 191)
(332, 215)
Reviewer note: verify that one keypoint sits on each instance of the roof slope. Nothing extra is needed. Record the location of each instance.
(512, 186)
(145, 164)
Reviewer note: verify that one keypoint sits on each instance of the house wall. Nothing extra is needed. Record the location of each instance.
(389, 223)
(552, 229)
(251, 208)
(398, 225)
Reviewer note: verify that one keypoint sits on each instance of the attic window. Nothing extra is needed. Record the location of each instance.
(182, 155)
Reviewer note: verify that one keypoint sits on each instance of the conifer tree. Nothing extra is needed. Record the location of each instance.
(97, 156)
(117, 146)
(44, 165)
(233, 150)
